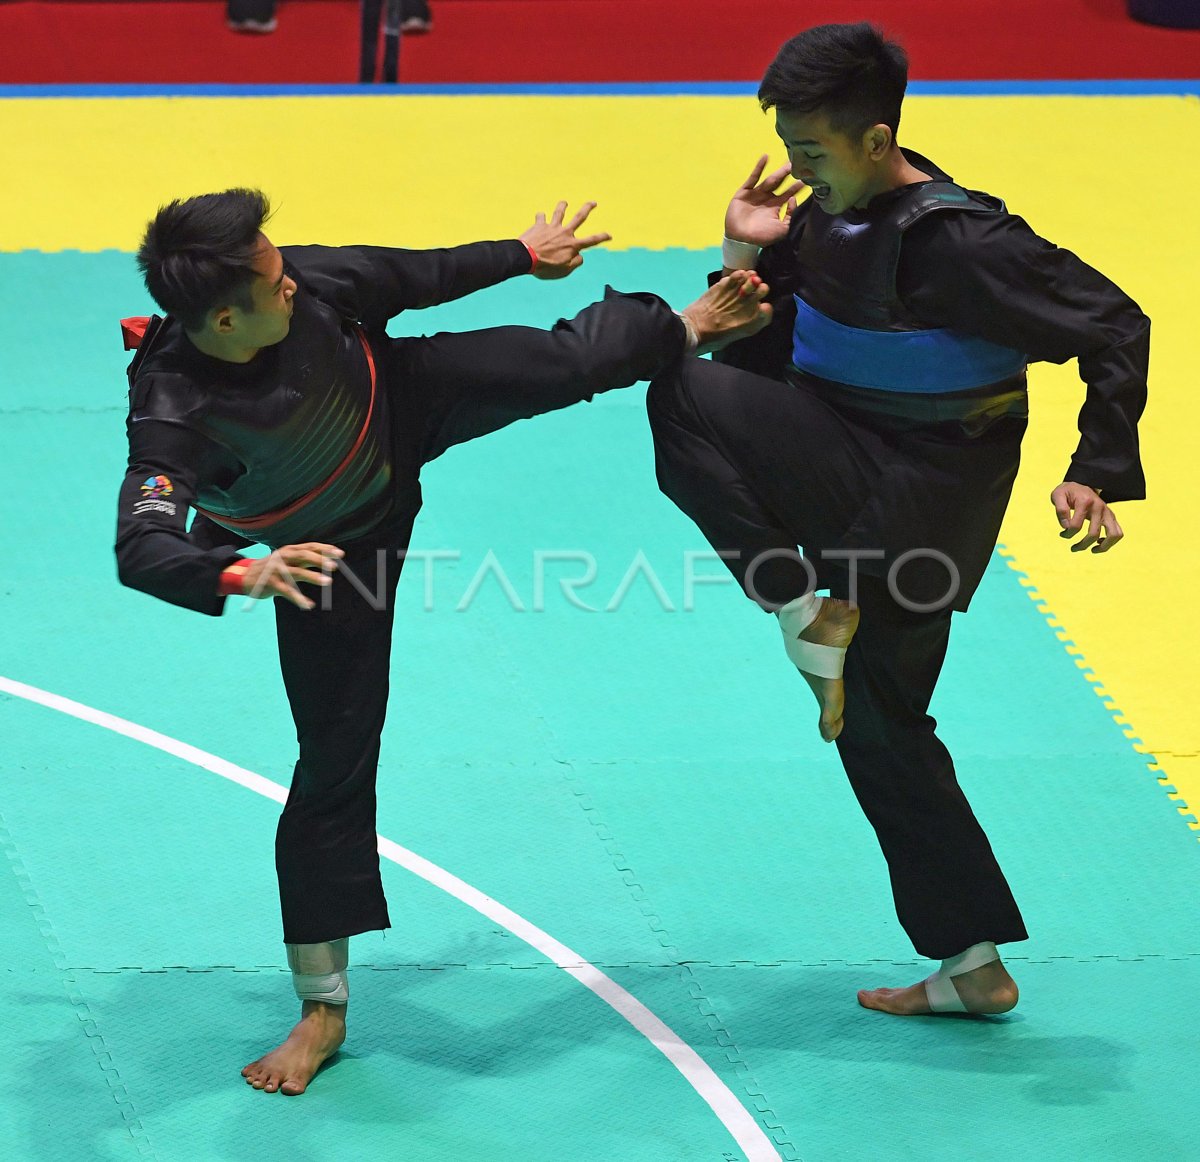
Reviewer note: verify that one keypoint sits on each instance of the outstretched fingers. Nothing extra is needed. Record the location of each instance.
(755, 173)
(580, 216)
(768, 187)
(771, 194)
(755, 179)
(278, 574)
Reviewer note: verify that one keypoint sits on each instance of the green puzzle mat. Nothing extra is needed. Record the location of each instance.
(644, 784)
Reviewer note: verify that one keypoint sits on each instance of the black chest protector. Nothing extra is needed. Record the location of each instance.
(848, 261)
(851, 325)
(298, 436)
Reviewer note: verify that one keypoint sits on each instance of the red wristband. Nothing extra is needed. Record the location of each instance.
(532, 254)
(232, 576)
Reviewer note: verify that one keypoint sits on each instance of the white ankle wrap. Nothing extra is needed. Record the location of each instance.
(319, 970)
(939, 989)
(692, 341)
(796, 616)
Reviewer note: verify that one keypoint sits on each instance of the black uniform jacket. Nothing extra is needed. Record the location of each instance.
(252, 437)
(991, 276)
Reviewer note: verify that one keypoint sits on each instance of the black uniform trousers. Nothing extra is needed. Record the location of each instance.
(764, 466)
(442, 391)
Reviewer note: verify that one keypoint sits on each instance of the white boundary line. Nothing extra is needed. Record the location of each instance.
(699, 1075)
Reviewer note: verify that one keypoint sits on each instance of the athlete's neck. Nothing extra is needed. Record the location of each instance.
(219, 348)
(895, 172)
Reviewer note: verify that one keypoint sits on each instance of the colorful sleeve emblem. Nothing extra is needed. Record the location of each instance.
(155, 486)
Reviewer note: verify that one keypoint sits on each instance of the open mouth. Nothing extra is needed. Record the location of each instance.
(819, 191)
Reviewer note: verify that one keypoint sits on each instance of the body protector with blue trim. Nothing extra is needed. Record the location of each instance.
(851, 325)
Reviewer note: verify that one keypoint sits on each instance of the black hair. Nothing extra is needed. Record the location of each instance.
(848, 72)
(197, 253)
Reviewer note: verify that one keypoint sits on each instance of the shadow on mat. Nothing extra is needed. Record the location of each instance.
(814, 1011)
(174, 1043)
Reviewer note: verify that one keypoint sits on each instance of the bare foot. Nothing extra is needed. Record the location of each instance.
(835, 625)
(987, 989)
(730, 309)
(317, 1036)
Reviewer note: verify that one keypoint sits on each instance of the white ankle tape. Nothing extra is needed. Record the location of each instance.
(975, 957)
(939, 989)
(319, 970)
(799, 614)
(692, 340)
(794, 618)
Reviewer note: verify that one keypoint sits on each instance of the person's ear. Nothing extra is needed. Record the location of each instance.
(877, 141)
(221, 321)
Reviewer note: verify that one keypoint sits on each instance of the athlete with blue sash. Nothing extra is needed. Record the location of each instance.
(876, 424)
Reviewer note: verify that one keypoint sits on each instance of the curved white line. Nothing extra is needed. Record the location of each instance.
(699, 1075)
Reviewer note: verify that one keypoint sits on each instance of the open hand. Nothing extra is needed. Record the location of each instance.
(277, 575)
(555, 244)
(760, 211)
(1078, 505)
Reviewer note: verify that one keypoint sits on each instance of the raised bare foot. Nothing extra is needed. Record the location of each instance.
(316, 1037)
(835, 625)
(730, 309)
(984, 990)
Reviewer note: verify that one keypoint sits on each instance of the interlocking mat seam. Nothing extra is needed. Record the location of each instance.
(571, 777)
(605, 965)
(91, 1027)
(1152, 761)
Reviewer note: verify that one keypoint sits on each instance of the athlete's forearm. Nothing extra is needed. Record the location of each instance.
(174, 570)
(156, 554)
(1108, 457)
(375, 283)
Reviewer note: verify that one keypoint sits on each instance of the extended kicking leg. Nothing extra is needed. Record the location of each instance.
(319, 977)
(476, 382)
(733, 308)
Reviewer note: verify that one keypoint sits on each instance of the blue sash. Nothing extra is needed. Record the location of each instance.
(915, 361)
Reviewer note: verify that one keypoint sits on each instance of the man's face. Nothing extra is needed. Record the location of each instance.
(271, 295)
(842, 171)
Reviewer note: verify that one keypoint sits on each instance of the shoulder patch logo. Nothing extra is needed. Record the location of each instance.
(155, 490)
(155, 486)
